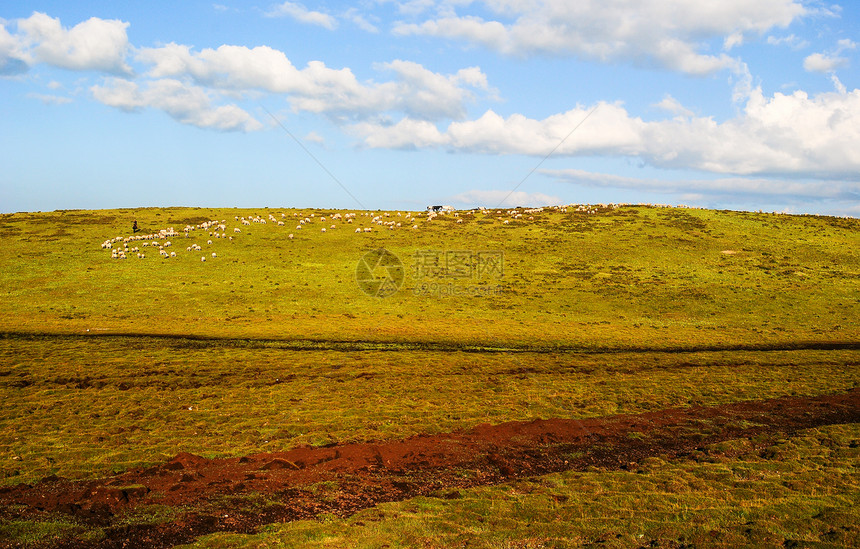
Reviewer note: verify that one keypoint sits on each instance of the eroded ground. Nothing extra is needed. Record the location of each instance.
(241, 494)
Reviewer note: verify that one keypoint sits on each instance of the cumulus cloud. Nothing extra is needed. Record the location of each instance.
(666, 33)
(415, 91)
(784, 134)
(609, 129)
(95, 44)
(405, 134)
(184, 103)
(12, 58)
(501, 198)
(303, 15)
(673, 106)
(829, 61)
(822, 62)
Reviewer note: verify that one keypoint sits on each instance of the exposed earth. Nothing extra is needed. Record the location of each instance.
(213, 494)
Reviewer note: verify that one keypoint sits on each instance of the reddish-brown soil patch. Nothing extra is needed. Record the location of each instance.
(213, 493)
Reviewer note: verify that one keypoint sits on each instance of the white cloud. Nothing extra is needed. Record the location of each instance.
(303, 15)
(95, 44)
(184, 103)
(610, 130)
(830, 61)
(406, 134)
(762, 187)
(414, 7)
(837, 84)
(668, 33)
(314, 137)
(845, 44)
(673, 106)
(822, 62)
(416, 91)
(502, 198)
(791, 41)
(785, 134)
(50, 99)
(12, 58)
(360, 21)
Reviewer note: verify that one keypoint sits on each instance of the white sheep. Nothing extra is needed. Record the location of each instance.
(209, 242)
(203, 258)
(290, 236)
(213, 254)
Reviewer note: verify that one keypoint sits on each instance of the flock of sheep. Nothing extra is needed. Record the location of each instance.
(137, 245)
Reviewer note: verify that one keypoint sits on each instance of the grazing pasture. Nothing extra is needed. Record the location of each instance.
(259, 335)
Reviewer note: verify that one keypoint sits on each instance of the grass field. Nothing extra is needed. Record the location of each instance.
(108, 365)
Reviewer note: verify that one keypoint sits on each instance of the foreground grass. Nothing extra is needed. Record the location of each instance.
(800, 491)
(83, 407)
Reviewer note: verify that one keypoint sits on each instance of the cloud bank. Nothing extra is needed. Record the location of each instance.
(671, 34)
(796, 134)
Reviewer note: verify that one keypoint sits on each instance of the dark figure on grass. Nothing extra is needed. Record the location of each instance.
(134, 228)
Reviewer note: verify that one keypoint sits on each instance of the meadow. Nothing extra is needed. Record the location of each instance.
(107, 365)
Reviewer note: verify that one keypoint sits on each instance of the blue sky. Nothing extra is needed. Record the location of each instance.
(397, 105)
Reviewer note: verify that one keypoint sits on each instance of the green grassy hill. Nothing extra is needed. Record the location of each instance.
(627, 277)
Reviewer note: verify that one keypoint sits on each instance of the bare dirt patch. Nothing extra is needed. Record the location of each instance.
(215, 494)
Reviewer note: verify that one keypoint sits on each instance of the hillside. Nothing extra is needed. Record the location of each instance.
(631, 276)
